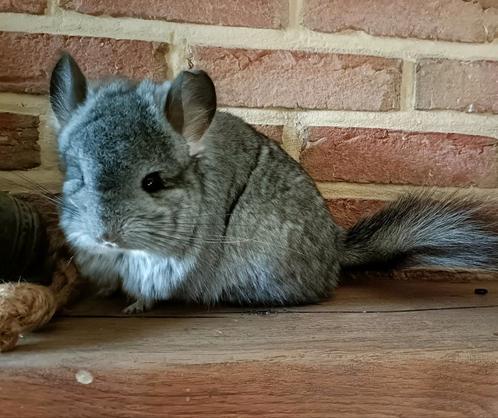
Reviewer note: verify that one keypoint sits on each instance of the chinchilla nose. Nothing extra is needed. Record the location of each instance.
(109, 239)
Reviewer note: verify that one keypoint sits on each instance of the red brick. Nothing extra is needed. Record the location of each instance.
(22, 6)
(290, 79)
(271, 131)
(19, 149)
(382, 156)
(470, 86)
(27, 59)
(347, 211)
(448, 20)
(253, 13)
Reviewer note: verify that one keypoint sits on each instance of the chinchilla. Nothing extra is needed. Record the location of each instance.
(167, 198)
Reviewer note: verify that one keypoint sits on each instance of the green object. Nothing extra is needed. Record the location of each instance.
(22, 238)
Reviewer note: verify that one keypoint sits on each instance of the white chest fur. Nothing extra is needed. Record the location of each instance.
(141, 274)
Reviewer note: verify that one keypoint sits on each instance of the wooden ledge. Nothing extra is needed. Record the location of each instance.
(377, 348)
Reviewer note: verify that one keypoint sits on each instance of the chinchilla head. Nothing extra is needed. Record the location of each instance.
(129, 153)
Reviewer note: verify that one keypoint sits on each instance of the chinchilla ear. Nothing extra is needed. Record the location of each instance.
(190, 107)
(68, 88)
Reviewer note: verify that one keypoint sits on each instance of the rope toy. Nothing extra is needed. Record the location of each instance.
(28, 306)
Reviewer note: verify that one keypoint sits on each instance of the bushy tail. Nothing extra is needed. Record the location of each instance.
(420, 229)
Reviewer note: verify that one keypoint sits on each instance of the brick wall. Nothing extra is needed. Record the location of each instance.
(372, 96)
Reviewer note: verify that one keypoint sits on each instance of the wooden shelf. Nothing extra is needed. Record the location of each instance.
(378, 348)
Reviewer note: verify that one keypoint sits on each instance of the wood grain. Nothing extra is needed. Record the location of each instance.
(400, 388)
(412, 353)
(368, 295)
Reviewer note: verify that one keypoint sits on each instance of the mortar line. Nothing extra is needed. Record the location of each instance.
(376, 191)
(48, 144)
(52, 179)
(407, 89)
(415, 121)
(291, 141)
(409, 120)
(179, 57)
(299, 38)
(25, 104)
(295, 13)
(52, 7)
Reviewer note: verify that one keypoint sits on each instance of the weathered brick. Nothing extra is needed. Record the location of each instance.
(448, 20)
(19, 149)
(470, 86)
(347, 211)
(271, 131)
(278, 78)
(27, 59)
(253, 13)
(382, 156)
(23, 6)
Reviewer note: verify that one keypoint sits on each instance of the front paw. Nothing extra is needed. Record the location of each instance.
(138, 307)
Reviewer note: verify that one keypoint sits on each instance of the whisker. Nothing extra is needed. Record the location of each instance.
(37, 185)
(41, 191)
(215, 239)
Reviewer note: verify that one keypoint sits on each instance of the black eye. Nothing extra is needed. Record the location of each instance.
(152, 183)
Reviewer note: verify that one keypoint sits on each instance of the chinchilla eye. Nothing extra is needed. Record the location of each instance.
(74, 179)
(152, 183)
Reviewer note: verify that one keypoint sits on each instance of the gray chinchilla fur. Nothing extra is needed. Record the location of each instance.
(165, 197)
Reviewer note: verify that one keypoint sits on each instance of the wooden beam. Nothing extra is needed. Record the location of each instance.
(370, 295)
(418, 350)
